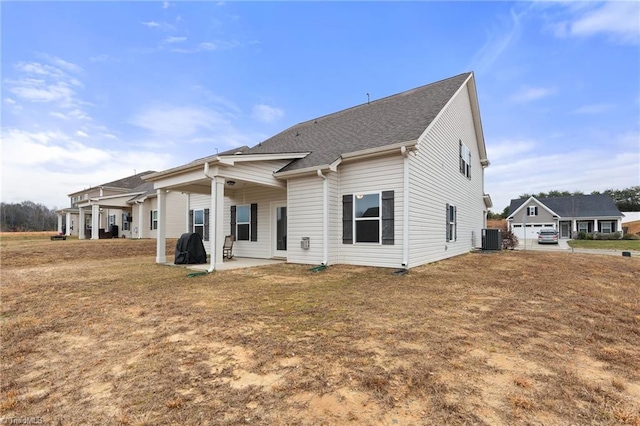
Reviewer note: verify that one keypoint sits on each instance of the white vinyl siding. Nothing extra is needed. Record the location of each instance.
(260, 172)
(305, 210)
(371, 176)
(175, 222)
(435, 180)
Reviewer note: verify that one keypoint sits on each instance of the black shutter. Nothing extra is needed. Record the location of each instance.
(460, 157)
(151, 220)
(254, 222)
(447, 222)
(387, 217)
(536, 210)
(190, 220)
(233, 222)
(614, 226)
(347, 219)
(455, 223)
(206, 224)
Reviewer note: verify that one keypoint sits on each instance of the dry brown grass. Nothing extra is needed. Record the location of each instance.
(93, 332)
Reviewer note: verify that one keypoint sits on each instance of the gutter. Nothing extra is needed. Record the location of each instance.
(405, 207)
(325, 218)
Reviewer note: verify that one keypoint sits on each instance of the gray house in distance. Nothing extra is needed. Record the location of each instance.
(569, 215)
(397, 182)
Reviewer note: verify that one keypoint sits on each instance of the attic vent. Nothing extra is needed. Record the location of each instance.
(297, 134)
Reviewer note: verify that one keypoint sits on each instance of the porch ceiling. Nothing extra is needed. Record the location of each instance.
(203, 186)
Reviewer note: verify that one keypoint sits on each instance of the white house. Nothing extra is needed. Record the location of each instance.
(397, 182)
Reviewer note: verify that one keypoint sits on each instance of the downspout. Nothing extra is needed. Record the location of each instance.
(212, 229)
(139, 203)
(405, 207)
(325, 218)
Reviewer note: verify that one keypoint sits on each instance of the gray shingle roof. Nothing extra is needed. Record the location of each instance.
(575, 206)
(394, 119)
(129, 182)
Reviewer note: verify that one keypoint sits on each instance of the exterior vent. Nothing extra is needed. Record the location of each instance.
(304, 243)
(491, 239)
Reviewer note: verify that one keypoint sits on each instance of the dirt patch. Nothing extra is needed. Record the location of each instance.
(93, 332)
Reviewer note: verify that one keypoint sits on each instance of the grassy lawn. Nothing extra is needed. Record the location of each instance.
(93, 332)
(606, 244)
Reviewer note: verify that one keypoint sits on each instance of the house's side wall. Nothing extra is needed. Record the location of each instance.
(263, 196)
(435, 181)
(372, 175)
(176, 214)
(305, 216)
(335, 218)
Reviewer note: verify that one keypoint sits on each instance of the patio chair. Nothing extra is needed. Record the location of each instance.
(227, 249)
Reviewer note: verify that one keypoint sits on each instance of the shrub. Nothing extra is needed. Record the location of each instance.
(630, 237)
(509, 240)
(582, 235)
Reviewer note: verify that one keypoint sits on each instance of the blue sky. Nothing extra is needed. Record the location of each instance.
(92, 91)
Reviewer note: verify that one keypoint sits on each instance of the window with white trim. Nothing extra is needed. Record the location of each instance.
(112, 219)
(243, 223)
(154, 219)
(583, 227)
(606, 227)
(465, 160)
(532, 211)
(452, 219)
(198, 222)
(126, 225)
(366, 213)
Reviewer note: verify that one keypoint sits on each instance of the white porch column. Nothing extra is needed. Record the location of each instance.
(95, 222)
(619, 226)
(574, 226)
(186, 221)
(161, 243)
(81, 225)
(595, 225)
(140, 217)
(216, 230)
(59, 223)
(68, 224)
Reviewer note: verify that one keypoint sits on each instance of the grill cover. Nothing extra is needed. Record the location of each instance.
(190, 250)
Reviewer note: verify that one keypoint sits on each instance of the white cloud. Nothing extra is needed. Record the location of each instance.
(266, 113)
(528, 94)
(164, 26)
(38, 90)
(82, 134)
(165, 5)
(207, 46)
(64, 165)
(67, 66)
(530, 170)
(175, 39)
(9, 101)
(593, 109)
(151, 24)
(59, 115)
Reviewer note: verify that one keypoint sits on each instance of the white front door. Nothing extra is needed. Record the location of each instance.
(279, 229)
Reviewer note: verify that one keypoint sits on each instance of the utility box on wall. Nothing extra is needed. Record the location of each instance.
(304, 243)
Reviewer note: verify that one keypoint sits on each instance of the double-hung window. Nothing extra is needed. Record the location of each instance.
(465, 160)
(243, 223)
(112, 220)
(607, 228)
(452, 220)
(154, 219)
(366, 209)
(198, 222)
(126, 225)
(532, 211)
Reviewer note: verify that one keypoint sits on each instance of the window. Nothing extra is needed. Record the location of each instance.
(452, 219)
(112, 219)
(465, 160)
(198, 222)
(370, 217)
(583, 227)
(126, 225)
(607, 227)
(532, 211)
(154, 219)
(366, 211)
(244, 223)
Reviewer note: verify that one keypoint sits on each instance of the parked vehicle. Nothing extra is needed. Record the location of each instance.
(548, 236)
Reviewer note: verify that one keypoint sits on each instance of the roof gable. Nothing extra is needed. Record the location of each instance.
(574, 205)
(394, 119)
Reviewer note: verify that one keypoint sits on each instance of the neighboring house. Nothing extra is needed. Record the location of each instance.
(630, 217)
(569, 215)
(397, 182)
(97, 212)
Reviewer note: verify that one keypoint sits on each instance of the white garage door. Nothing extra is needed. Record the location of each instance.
(531, 230)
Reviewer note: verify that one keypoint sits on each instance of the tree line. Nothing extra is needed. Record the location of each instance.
(627, 200)
(27, 216)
